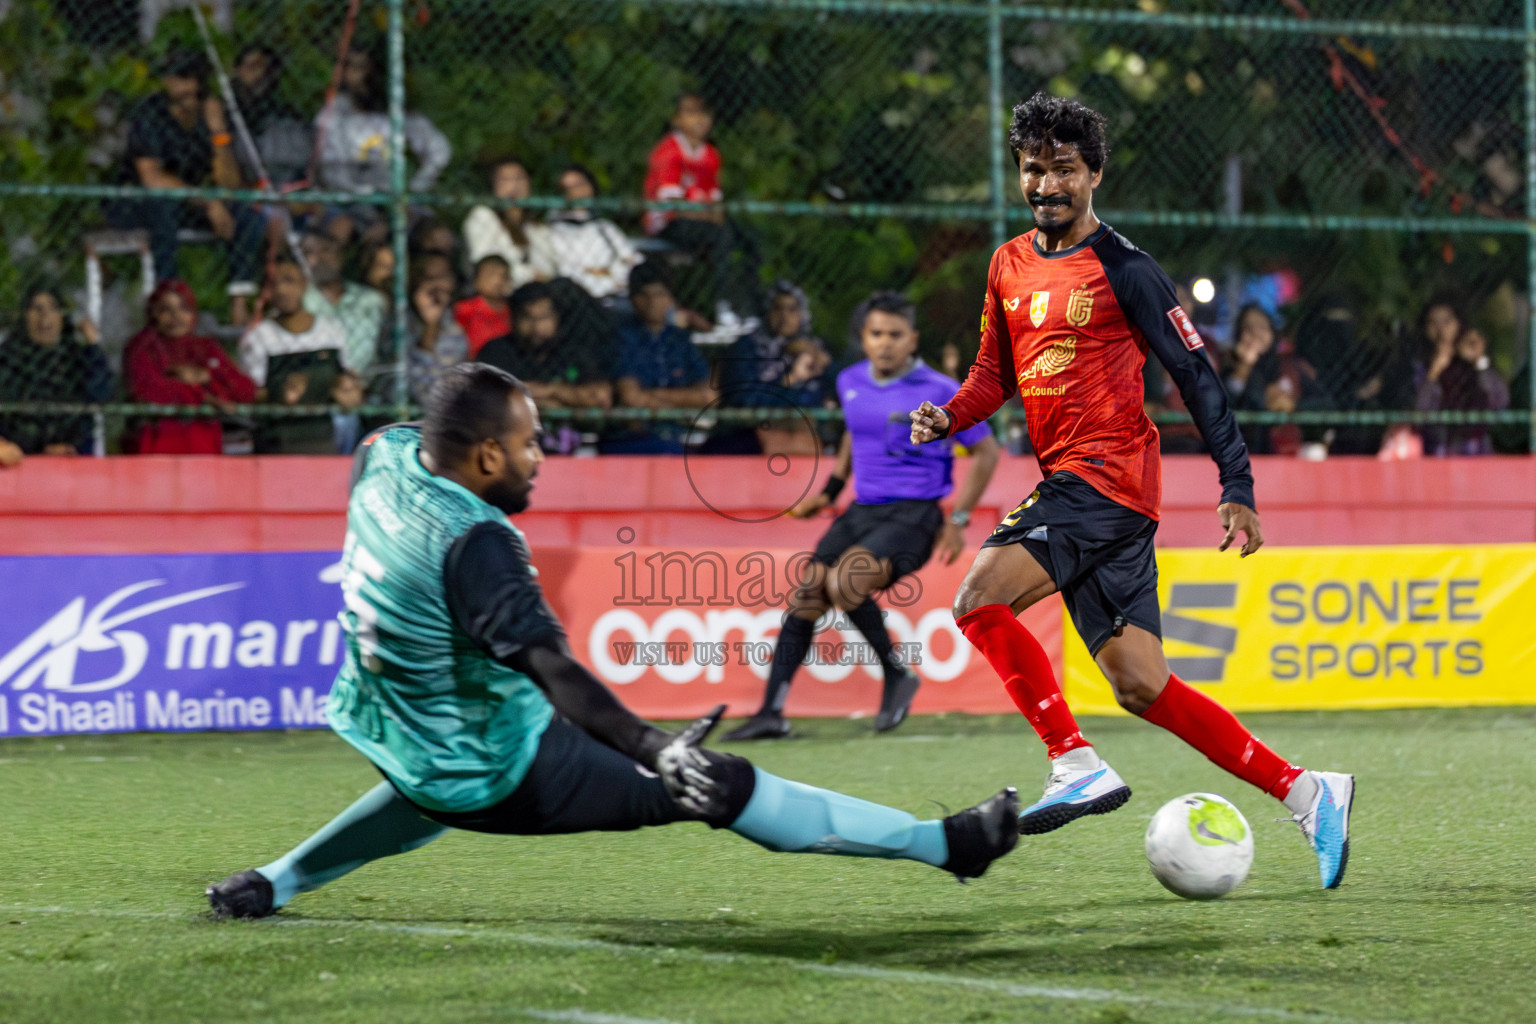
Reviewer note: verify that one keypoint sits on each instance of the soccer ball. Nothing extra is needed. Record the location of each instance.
(1199, 846)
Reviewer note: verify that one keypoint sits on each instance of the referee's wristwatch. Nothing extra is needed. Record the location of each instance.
(960, 517)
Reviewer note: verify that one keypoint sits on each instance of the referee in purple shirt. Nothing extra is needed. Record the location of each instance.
(895, 521)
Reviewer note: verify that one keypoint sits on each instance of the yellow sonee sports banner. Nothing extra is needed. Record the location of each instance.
(1299, 628)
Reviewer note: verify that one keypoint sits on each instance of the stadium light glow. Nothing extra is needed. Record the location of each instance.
(1204, 290)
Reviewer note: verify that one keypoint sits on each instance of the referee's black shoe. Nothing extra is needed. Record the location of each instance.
(896, 700)
(244, 896)
(765, 725)
(979, 835)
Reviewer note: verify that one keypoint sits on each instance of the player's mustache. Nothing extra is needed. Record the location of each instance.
(1038, 200)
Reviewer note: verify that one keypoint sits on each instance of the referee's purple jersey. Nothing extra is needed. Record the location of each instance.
(887, 466)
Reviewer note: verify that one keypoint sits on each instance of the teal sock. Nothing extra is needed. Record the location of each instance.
(791, 817)
(381, 823)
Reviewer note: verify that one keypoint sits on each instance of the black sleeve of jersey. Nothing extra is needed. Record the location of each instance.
(1147, 297)
(492, 592)
(496, 601)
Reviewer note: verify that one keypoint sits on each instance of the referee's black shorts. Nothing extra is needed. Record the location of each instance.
(577, 784)
(902, 531)
(1097, 551)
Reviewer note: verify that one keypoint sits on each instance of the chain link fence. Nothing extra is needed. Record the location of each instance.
(1346, 167)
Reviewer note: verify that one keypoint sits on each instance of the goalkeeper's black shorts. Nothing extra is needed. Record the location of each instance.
(577, 784)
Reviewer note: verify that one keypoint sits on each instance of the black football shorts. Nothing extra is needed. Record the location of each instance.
(903, 531)
(1098, 552)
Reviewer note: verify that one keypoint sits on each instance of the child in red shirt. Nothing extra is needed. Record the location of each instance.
(486, 315)
(684, 165)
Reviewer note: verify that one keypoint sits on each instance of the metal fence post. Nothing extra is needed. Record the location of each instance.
(1530, 213)
(999, 141)
(397, 196)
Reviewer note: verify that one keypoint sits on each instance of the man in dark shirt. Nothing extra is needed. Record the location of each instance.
(179, 138)
(560, 369)
(536, 352)
(460, 687)
(1071, 310)
(659, 367)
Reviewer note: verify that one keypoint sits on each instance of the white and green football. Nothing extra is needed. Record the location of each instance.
(1199, 846)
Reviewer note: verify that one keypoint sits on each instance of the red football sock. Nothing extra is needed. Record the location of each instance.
(1215, 732)
(1025, 669)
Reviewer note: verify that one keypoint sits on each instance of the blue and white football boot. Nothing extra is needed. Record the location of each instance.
(1072, 791)
(1326, 824)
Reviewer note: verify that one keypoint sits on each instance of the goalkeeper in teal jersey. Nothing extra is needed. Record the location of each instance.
(461, 690)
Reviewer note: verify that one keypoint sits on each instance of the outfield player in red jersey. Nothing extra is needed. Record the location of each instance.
(1071, 311)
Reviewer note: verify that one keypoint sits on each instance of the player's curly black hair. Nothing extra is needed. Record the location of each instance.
(1055, 120)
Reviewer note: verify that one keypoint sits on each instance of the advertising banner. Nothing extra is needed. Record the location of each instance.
(1300, 628)
(126, 643)
(676, 632)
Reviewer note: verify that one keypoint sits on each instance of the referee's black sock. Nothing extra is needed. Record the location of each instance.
(869, 620)
(794, 641)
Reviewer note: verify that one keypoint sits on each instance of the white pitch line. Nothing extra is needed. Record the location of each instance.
(580, 1016)
(889, 974)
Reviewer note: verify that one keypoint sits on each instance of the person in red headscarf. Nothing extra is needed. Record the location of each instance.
(167, 363)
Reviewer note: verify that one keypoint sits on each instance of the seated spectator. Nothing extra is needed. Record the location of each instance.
(559, 374)
(1456, 374)
(179, 138)
(659, 368)
(431, 235)
(1351, 373)
(167, 364)
(354, 153)
(357, 308)
(376, 265)
(486, 314)
(590, 250)
(1263, 372)
(434, 339)
(46, 359)
(807, 384)
(294, 356)
(752, 372)
(347, 423)
(283, 140)
(759, 357)
(685, 166)
(507, 232)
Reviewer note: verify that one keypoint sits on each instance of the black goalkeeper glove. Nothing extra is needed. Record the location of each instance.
(689, 773)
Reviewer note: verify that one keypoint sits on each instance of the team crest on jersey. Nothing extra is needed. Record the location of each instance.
(1037, 306)
(1079, 307)
(1056, 357)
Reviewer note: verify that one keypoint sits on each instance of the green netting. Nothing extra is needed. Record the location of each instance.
(1342, 161)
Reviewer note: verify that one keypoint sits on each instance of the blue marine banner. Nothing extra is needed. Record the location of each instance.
(123, 643)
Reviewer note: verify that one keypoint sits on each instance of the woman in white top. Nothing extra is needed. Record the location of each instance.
(507, 232)
(592, 251)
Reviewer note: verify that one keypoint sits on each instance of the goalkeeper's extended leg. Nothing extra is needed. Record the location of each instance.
(791, 817)
(380, 823)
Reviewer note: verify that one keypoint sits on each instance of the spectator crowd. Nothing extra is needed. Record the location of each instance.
(588, 316)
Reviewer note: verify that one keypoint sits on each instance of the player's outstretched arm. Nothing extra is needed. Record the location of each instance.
(496, 600)
(580, 696)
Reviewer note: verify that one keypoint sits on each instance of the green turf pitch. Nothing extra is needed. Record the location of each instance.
(106, 845)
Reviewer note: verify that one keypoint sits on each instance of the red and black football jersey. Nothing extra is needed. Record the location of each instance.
(1069, 331)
